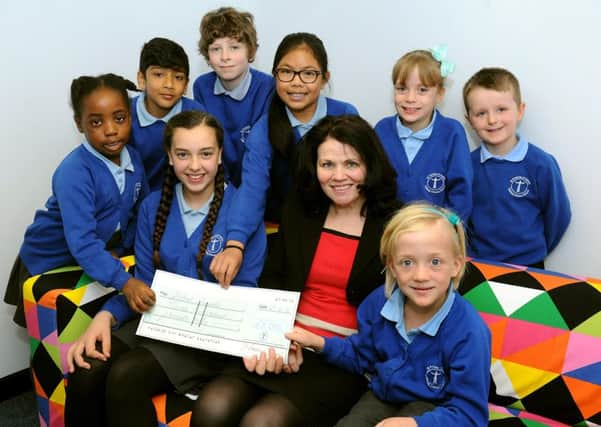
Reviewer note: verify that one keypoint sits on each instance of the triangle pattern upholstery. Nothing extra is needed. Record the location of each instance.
(545, 326)
(56, 315)
(500, 416)
(546, 344)
(512, 297)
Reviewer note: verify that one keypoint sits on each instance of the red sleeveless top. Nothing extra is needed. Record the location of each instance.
(323, 307)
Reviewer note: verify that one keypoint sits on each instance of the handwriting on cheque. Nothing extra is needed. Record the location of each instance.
(239, 321)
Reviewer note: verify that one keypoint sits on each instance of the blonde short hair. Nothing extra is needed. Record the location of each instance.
(428, 68)
(415, 217)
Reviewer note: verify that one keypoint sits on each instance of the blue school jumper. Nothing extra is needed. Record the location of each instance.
(148, 140)
(441, 171)
(236, 116)
(178, 252)
(446, 363)
(81, 216)
(521, 208)
(260, 168)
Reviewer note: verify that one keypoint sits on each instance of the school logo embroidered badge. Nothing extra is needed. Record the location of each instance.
(519, 186)
(244, 133)
(435, 377)
(215, 245)
(435, 183)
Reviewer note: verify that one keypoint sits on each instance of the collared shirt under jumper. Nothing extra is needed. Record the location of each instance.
(413, 141)
(521, 207)
(184, 366)
(178, 250)
(147, 135)
(85, 209)
(262, 167)
(118, 171)
(191, 217)
(440, 171)
(237, 111)
(446, 361)
(302, 128)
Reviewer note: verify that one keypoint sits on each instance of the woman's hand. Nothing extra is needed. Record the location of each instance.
(263, 363)
(139, 296)
(225, 266)
(271, 363)
(98, 330)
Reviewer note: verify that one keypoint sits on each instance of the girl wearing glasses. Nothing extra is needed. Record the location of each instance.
(300, 68)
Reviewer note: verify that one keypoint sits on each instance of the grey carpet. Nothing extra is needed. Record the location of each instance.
(20, 411)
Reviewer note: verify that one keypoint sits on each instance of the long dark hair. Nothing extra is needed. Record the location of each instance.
(187, 120)
(281, 135)
(379, 187)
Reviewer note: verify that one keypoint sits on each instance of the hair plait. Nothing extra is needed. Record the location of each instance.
(186, 120)
(167, 192)
(211, 219)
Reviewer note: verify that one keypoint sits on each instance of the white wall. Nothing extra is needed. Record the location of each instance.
(550, 46)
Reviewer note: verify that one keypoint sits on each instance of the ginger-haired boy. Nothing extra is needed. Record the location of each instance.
(236, 94)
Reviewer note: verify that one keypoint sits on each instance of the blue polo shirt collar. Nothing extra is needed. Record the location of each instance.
(124, 159)
(117, 171)
(146, 119)
(394, 309)
(517, 153)
(320, 112)
(191, 217)
(422, 134)
(239, 92)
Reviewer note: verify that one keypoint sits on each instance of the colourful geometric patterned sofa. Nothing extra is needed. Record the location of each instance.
(59, 305)
(546, 344)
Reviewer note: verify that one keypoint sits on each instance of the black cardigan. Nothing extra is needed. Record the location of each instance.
(289, 260)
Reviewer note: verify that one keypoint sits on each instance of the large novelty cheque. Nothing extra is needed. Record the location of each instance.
(239, 320)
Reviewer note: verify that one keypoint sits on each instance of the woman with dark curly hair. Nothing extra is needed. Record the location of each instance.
(327, 248)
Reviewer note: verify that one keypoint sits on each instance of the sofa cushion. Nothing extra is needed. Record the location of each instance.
(546, 339)
(500, 416)
(59, 305)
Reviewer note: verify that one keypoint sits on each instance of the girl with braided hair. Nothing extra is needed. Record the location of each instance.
(90, 217)
(180, 229)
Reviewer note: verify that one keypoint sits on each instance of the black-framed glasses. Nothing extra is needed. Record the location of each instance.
(286, 75)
